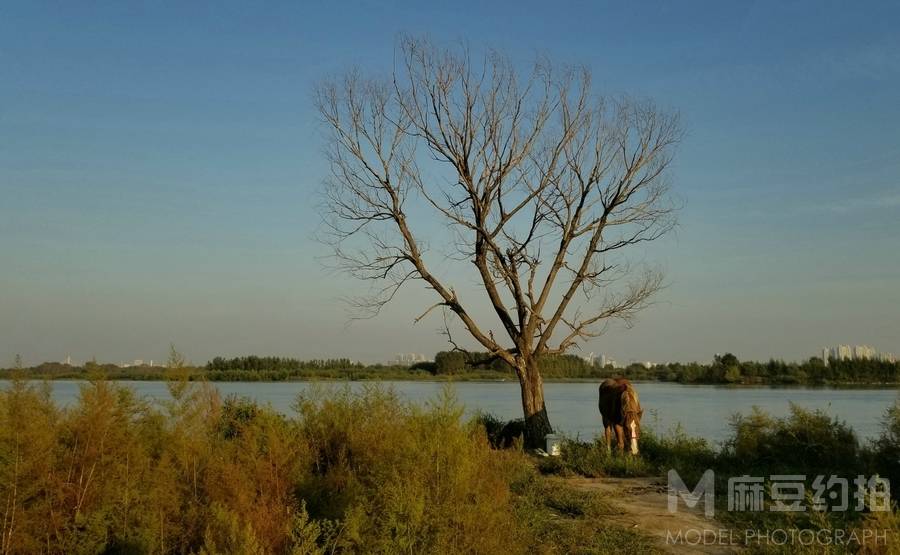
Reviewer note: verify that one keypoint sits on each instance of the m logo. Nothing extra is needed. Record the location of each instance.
(705, 490)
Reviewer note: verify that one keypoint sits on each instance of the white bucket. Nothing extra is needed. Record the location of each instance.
(554, 445)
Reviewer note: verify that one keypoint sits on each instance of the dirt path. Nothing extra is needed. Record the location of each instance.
(644, 506)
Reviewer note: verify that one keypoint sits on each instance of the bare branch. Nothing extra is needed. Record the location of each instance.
(544, 187)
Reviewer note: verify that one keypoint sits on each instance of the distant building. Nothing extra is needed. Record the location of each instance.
(408, 359)
(857, 352)
(841, 352)
(605, 361)
(845, 352)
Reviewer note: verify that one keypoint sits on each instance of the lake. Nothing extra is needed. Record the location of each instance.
(702, 410)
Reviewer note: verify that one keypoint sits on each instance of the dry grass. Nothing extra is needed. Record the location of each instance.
(358, 472)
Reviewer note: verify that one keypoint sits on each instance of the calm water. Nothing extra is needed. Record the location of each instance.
(701, 410)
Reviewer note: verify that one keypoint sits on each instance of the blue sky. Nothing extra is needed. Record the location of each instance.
(159, 162)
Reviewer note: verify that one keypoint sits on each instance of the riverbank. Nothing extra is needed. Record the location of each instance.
(351, 469)
(350, 473)
(797, 464)
(199, 375)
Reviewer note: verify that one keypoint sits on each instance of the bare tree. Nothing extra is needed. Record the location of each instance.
(544, 187)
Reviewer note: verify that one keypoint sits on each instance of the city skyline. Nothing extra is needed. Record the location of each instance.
(164, 191)
(856, 352)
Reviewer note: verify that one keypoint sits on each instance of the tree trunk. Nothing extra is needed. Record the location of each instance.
(537, 423)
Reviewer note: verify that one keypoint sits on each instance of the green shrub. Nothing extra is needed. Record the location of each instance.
(884, 455)
(689, 456)
(593, 461)
(805, 442)
(403, 477)
(501, 434)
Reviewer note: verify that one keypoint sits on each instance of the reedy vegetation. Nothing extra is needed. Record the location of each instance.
(350, 473)
(356, 472)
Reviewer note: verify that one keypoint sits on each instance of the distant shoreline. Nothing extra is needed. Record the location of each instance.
(198, 377)
(724, 370)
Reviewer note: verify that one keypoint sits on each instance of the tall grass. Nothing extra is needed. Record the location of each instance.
(350, 472)
(355, 472)
(362, 472)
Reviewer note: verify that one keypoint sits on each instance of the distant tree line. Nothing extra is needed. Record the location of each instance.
(551, 366)
(728, 369)
(90, 369)
(269, 364)
(254, 368)
(460, 365)
(724, 369)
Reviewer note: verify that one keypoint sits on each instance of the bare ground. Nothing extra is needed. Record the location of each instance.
(642, 505)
